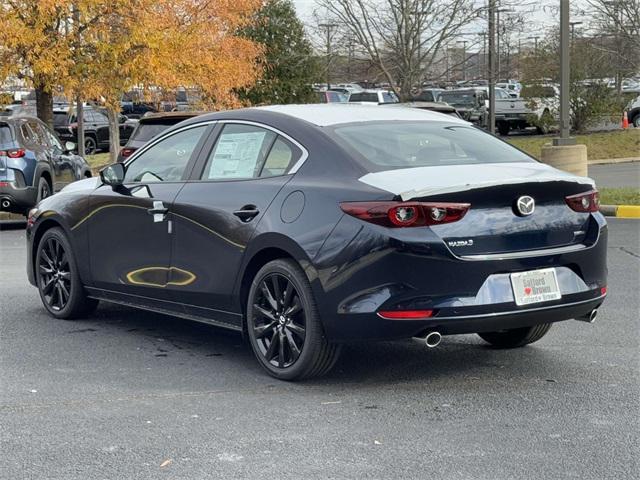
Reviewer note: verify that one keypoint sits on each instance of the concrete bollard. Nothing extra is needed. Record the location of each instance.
(570, 158)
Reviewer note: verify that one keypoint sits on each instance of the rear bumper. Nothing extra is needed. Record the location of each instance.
(372, 327)
(466, 295)
(19, 199)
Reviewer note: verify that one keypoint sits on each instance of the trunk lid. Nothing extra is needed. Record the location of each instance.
(493, 224)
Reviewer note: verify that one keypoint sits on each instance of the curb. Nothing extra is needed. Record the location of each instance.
(606, 161)
(620, 211)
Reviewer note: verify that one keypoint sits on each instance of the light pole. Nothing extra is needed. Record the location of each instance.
(535, 39)
(565, 78)
(492, 66)
(328, 27)
(573, 30)
(464, 58)
(498, 12)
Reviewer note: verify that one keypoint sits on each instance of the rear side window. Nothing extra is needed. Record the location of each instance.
(364, 97)
(389, 97)
(6, 138)
(60, 119)
(383, 146)
(240, 152)
(280, 159)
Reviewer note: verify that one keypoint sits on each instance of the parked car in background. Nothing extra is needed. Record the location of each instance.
(96, 128)
(633, 112)
(439, 107)
(469, 102)
(149, 126)
(34, 163)
(543, 102)
(332, 96)
(374, 97)
(428, 95)
(512, 87)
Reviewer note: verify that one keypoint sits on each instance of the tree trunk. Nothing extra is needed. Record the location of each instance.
(80, 121)
(44, 104)
(114, 134)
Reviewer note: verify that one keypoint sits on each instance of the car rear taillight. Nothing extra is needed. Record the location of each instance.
(406, 314)
(13, 153)
(406, 214)
(584, 202)
(125, 152)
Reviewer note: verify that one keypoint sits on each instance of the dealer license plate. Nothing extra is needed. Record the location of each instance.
(535, 286)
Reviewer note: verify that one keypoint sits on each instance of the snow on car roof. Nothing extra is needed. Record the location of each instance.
(324, 115)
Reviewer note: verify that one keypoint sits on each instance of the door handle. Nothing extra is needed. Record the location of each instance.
(247, 213)
(158, 211)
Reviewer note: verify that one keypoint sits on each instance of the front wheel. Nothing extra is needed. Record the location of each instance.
(57, 278)
(517, 337)
(283, 324)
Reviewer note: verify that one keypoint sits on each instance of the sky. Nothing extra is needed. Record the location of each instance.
(541, 19)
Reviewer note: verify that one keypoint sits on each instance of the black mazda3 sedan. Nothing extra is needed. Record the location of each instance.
(308, 226)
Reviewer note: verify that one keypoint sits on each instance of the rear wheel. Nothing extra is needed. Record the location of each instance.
(90, 145)
(636, 121)
(283, 324)
(517, 337)
(59, 285)
(44, 189)
(503, 128)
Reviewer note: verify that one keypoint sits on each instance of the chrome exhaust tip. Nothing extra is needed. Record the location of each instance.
(6, 203)
(589, 317)
(431, 339)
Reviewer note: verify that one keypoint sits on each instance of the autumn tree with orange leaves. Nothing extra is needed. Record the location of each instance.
(103, 48)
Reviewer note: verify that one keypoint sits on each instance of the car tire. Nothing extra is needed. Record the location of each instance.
(517, 337)
(44, 190)
(283, 324)
(503, 128)
(636, 121)
(57, 279)
(90, 145)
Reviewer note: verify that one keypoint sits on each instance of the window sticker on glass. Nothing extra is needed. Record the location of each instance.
(236, 155)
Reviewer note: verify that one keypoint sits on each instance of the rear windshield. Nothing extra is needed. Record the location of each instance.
(5, 134)
(458, 98)
(391, 145)
(146, 131)
(60, 119)
(364, 97)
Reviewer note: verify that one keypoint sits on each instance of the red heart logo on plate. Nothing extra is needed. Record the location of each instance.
(527, 291)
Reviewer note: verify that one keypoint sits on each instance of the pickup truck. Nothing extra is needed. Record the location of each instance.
(633, 112)
(473, 105)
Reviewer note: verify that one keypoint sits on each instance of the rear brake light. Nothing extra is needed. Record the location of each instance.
(127, 151)
(406, 214)
(603, 290)
(584, 202)
(406, 314)
(13, 153)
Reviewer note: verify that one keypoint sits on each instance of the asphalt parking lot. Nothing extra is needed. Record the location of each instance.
(129, 394)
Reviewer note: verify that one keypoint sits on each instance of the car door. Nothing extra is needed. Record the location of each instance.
(241, 170)
(59, 159)
(130, 227)
(34, 139)
(100, 122)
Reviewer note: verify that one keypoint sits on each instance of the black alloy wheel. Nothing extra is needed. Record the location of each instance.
(55, 274)
(90, 146)
(280, 324)
(59, 285)
(44, 190)
(283, 324)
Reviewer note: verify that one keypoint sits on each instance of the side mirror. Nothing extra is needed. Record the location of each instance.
(122, 119)
(69, 146)
(112, 174)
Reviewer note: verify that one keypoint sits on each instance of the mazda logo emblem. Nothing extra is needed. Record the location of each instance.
(525, 205)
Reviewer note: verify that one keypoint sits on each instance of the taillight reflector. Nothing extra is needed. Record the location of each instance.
(603, 291)
(406, 314)
(584, 202)
(406, 214)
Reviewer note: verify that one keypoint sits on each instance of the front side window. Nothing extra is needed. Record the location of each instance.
(52, 138)
(239, 153)
(167, 160)
(392, 145)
